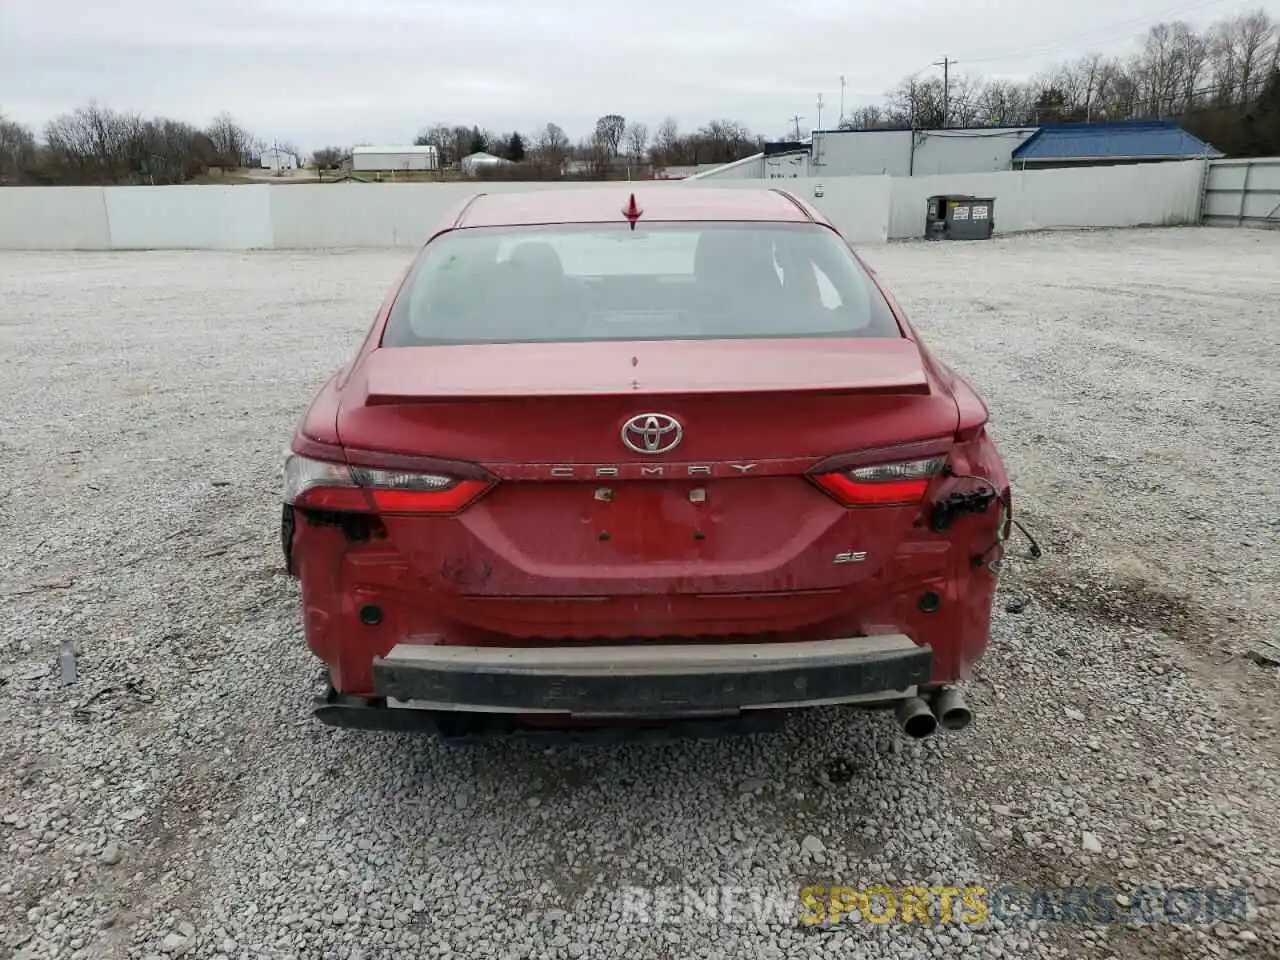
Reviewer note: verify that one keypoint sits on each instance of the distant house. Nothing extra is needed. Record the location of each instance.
(274, 158)
(476, 162)
(425, 157)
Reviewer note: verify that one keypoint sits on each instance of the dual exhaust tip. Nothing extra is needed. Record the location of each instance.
(919, 719)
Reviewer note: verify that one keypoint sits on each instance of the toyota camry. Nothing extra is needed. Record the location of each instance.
(642, 457)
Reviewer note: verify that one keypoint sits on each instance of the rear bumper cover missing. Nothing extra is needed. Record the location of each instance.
(638, 681)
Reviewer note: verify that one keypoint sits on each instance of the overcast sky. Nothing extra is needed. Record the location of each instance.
(345, 71)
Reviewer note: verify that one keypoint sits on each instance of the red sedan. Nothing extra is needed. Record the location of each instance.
(611, 459)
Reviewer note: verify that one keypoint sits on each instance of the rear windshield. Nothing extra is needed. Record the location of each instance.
(664, 281)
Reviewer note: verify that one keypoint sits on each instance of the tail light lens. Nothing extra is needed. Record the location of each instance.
(319, 485)
(882, 485)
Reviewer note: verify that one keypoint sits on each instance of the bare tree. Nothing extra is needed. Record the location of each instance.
(1003, 103)
(1118, 89)
(96, 142)
(916, 103)
(1080, 82)
(723, 141)
(1159, 74)
(1191, 52)
(637, 139)
(863, 118)
(1242, 48)
(332, 158)
(552, 146)
(169, 151)
(93, 144)
(437, 135)
(593, 152)
(666, 141)
(235, 146)
(962, 101)
(608, 135)
(17, 150)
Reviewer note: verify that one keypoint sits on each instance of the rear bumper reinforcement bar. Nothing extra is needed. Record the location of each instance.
(650, 680)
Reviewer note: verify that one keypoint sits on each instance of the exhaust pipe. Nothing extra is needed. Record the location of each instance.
(915, 718)
(952, 711)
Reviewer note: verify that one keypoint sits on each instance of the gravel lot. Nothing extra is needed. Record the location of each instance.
(177, 799)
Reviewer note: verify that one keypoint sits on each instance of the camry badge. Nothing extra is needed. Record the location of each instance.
(652, 433)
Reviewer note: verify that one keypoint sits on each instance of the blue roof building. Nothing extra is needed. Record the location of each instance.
(1092, 144)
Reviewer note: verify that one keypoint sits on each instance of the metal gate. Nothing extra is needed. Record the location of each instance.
(1241, 193)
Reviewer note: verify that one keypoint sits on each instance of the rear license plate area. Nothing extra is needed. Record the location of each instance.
(653, 520)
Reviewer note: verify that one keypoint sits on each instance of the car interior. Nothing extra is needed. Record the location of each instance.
(743, 283)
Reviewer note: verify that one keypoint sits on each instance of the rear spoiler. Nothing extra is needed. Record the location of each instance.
(377, 397)
(408, 375)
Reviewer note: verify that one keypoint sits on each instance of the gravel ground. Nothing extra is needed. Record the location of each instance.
(177, 799)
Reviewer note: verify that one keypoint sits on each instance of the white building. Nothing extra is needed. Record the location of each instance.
(895, 153)
(425, 157)
(475, 162)
(273, 158)
(920, 153)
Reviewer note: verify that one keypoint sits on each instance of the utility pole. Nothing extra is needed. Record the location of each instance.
(945, 63)
(796, 120)
(841, 123)
(819, 127)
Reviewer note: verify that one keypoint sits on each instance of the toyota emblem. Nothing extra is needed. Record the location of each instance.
(652, 433)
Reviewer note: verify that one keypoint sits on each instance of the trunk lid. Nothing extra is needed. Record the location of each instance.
(726, 515)
(567, 402)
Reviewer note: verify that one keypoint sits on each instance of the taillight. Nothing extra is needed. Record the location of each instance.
(320, 485)
(882, 485)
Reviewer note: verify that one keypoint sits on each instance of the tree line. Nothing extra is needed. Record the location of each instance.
(1222, 83)
(94, 144)
(616, 145)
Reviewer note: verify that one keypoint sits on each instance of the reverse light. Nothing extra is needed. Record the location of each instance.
(320, 485)
(882, 485)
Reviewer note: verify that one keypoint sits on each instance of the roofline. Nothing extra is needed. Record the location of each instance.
(458, 221)
(725, 166)
(1098, 124)
(408, 148)
(1136, 156)
(909, 129)
(1026, 144)
(462, 213)
(795, 201)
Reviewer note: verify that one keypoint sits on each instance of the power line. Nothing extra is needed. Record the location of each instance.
(1094, 34)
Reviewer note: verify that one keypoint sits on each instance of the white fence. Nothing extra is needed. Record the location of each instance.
(1243, 192)
(293, 216)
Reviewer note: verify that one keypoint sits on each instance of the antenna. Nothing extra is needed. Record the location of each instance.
(632, 211)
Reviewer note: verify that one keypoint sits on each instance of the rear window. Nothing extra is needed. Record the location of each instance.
(664, 281)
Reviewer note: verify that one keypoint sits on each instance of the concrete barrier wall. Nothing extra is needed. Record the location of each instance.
(190, 218)
(868, 209)
(383, 215)
(858, 206)
(54, 218)
(1119, 196)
